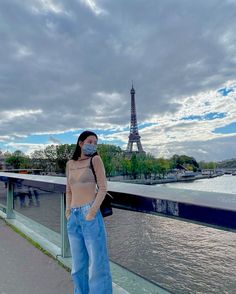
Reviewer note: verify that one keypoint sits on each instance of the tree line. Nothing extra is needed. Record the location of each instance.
(116, 161)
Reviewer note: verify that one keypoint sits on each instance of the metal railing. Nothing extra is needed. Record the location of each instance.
(206, 208)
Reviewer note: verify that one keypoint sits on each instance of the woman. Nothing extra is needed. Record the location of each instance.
(85, 226)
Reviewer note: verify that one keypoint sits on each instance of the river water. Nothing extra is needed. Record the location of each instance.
(224, 184)
(180, 256)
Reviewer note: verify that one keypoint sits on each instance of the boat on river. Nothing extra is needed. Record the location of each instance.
(186, 176)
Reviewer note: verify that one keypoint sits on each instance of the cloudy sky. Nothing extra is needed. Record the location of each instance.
(66, 66)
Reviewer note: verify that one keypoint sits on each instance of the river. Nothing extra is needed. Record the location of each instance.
(224, 184)
(180, 256)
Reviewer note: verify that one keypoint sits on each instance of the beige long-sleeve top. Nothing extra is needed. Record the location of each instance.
(81, 185)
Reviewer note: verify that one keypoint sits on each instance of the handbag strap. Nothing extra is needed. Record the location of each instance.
(95, 177)
(92, 168)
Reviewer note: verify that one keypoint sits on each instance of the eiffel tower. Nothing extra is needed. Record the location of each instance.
(134, 136)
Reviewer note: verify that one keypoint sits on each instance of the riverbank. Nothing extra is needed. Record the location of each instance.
(189, 178)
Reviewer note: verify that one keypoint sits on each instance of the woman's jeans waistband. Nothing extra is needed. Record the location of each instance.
(86, 205)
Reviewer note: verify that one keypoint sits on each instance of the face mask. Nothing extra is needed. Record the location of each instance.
(89, 149)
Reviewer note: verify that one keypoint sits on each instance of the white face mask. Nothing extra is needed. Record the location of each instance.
(89, 149)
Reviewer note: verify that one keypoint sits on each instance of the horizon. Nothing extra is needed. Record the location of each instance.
(124, 150)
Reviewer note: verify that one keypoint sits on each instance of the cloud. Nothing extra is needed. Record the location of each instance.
(27, 148)
(68, 65)
(46, 6)
(93, 5)
(54, 141)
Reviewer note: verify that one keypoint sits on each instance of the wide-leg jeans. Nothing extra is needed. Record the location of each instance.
(88, 244)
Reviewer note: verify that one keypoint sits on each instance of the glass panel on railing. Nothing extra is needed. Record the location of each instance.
(3, 193)
(39, 205)
(182, 257)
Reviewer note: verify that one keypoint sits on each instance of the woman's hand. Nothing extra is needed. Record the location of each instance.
(89, 217)
(67, 214)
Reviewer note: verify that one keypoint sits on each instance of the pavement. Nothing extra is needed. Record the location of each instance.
(26, 270)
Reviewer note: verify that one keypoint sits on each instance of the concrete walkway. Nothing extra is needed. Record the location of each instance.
(25, 270)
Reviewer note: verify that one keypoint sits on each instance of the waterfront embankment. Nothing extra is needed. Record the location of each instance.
(167, 180)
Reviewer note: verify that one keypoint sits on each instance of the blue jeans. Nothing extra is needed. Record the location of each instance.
(88, 244)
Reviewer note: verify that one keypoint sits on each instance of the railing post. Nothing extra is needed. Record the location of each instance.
(65, 246)
(10, 200)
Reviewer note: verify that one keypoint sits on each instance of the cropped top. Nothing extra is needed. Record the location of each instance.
(81, 185)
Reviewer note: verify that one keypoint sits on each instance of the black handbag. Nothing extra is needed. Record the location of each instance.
(105, 208)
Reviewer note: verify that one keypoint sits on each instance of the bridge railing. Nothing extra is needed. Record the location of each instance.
(45, 196)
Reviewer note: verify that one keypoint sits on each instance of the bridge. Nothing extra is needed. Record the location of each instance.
(216, 210)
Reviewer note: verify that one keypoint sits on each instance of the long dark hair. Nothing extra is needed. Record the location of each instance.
(81, 138)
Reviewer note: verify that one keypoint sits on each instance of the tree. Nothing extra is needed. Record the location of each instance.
(50, 153)
(38, 160)
(134, 165)
(207, 165)
(64, 152)
(18, 160)
(184, 161)
(162, 165)
(126, 166)
(145, 165)
(116, 161)
(110, 155)
(211, 165)
(45, 159)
